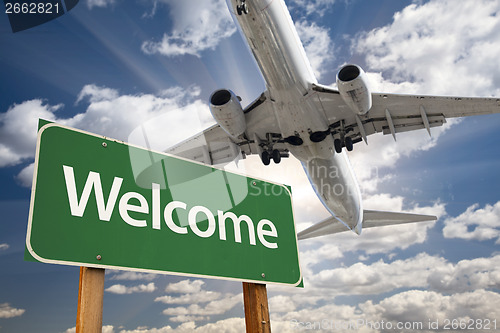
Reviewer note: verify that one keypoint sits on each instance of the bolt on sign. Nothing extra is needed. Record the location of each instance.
(103, 203)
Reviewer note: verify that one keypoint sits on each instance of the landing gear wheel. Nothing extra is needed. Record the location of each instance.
(242, 9)
(265, 157)
(276, 156)
(338, 145)
(348, 144)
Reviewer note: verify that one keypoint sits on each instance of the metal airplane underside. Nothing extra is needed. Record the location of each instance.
(315, 123)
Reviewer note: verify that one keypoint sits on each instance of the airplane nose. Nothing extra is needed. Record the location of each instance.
(349, 211)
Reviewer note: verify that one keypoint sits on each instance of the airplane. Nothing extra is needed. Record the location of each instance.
(314, 122)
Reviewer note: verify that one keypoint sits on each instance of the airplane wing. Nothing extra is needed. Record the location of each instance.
(371, 219)
(212, 146)
(390, 114)
(394, 113)
(215, 146)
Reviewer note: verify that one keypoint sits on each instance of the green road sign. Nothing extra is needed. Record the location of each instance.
(99, 202)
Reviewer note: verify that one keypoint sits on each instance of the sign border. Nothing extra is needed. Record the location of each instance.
(48, 124)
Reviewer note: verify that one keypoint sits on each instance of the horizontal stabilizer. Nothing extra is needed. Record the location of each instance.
(371, 219)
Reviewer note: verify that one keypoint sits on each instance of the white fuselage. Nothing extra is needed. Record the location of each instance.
(273, 39)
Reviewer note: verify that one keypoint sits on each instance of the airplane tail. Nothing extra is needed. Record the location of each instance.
(371, 219)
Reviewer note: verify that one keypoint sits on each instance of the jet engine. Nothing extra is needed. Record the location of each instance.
(351, 82)
(226, 109)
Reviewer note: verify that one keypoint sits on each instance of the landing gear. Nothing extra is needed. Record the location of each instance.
(348, 143)
(276, 156)
(338, 144)
(266, 148)
(242, 9)
(266, 156)
(343, 141)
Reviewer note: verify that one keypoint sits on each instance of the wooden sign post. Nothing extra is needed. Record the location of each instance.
(90, 297)
(256, 308)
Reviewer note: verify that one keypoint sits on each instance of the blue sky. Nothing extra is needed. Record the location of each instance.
(110, 66)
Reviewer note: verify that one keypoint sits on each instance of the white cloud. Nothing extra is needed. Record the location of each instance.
(454, 291)
(216, 307)
(422, 306)
(310, 7)
(317, 318)
(105, 329)
(108, 329)
(7, 311)
(229, 325)
(317, 44)
(413, 307)
(466, 275)
(18, 128)
(117, 115)
(108, 113)
(193, 31)
(192, 293)
(475, 224)
(4, 246)
(376, 278)
(201, 296)
(423, 272)
(281, 303)
(437, 46)
(96, 94)
(185, 287)
(99, 3)
(25, 177)
(121, 289)
(185, 318)
(377, 83)
(132, 276)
